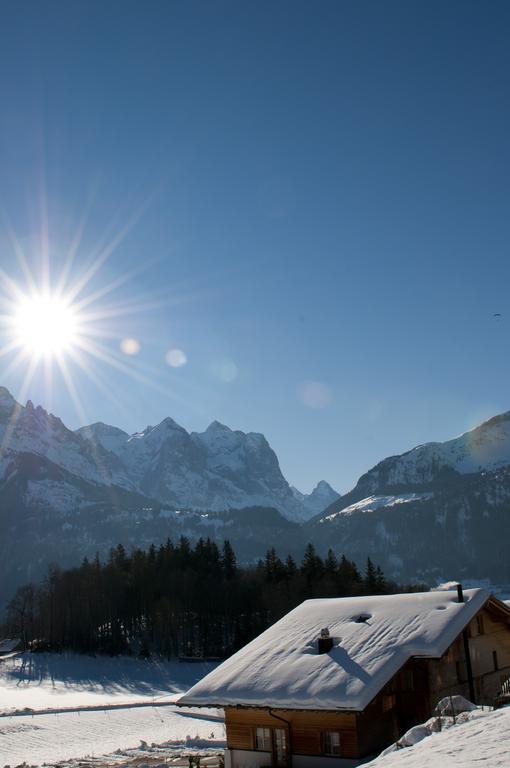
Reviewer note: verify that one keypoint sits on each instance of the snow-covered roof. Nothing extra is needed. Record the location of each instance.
(282, 667)
(9, 644)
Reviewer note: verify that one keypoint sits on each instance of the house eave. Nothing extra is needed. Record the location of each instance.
(279, 707)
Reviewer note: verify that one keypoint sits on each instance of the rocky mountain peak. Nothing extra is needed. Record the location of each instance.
(321, 497)
(7, 402)
(217, 426)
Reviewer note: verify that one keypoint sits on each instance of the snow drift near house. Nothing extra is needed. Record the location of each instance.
(479, 738)
(373, 637)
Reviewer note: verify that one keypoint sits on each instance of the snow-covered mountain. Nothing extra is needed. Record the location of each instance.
(441, 508)
(321, 497)
(32, 430)
(485, 448)
(215, 470)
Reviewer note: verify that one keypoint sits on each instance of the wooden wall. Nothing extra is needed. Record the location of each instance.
(448, 675)
(306, 728)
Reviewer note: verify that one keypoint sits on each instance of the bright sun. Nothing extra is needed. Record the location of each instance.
(45, 326)
(56, 319)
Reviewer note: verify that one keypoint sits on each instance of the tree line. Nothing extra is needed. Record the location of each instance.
(177, 599)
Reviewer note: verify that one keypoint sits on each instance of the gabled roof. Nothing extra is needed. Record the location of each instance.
(282, 667)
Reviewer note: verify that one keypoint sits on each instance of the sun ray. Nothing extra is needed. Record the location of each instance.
(11, 425)
(18, 251)
(103, 256)
(107, 289)
(44, 231)
(75, 244)
(86, 365)
(14, 364)
(8, 348)
(80, 410)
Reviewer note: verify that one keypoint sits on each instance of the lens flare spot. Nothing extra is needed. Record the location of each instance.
(226, 370)
(314, 394)
(130, 346)
(176, 358)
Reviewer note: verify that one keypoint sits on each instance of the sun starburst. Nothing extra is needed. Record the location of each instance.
(71, 322)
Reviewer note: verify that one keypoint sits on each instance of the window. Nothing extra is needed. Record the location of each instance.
(495, 660)
(331, 743)
(263, 739)
(280, 746)
(479, 625)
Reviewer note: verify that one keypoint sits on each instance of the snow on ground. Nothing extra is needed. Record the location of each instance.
(42, 681)
(483, 739)
(65, 707)
(46, 739)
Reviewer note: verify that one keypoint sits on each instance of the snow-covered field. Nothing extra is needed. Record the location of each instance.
(65, 707)
(46, 681)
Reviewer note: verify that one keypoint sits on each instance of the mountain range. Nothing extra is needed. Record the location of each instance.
(440, 510)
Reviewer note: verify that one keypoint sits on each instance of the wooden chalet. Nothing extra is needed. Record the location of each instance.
(337, 680)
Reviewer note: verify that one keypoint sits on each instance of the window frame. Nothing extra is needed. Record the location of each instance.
(269, 737)
(325, 737)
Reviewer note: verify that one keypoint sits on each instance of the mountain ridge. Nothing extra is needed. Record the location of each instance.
(217, 469)
(440, 510)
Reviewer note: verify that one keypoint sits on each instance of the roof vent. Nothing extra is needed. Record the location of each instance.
(325, 641)
(460, 593)
(363, 618)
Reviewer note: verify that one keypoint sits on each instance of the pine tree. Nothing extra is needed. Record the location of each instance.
(273, 566)
(330, 563)
(312, 566)
(370, 578)
(380, 581)
(290, 567)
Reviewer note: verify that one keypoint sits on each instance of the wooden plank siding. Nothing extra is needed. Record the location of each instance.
(305, 729)
(488, 634)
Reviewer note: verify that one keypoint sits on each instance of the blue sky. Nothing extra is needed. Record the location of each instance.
(324, 204)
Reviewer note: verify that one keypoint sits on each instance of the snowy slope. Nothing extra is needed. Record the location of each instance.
(484, 448)
(371, 503)
(483, 739)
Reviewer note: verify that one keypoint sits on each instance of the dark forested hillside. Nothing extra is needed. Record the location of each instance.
(177, 600)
